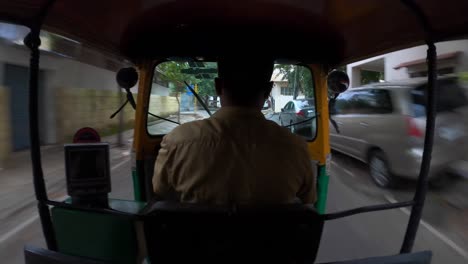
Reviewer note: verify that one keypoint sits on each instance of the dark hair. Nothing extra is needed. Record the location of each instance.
(245, 80)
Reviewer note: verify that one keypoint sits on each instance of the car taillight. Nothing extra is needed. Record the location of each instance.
(412, 128)
(301, 113)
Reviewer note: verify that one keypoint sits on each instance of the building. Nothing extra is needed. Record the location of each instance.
(77, 88)
(452, 57)
(282, 92)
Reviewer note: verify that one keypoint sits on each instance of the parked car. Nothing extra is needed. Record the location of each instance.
(377, 121)
(295, 112)
(267, 108)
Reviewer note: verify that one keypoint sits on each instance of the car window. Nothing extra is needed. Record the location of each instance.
(450, 96)
(289, 106)
(372, 101)
(342, 105)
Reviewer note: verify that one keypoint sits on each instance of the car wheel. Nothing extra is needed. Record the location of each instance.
(379, 170)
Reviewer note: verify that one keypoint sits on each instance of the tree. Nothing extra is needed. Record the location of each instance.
(299, 79)
(371, 76)
(173, 73)
(206, 86)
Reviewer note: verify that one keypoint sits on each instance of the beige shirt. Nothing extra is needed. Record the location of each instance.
(234, 157)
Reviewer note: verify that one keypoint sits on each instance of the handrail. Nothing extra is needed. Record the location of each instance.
(366, 209)
(32, 41)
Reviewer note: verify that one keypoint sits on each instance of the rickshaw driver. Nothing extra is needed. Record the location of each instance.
(236, 156)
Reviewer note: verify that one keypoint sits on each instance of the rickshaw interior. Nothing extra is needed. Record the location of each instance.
(191, 35)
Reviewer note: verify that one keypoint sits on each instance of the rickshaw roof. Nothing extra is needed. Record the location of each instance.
(325, 31)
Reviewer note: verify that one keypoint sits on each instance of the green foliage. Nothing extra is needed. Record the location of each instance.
(206, 87)
(371, 76)
(298, 77)
(171, 72)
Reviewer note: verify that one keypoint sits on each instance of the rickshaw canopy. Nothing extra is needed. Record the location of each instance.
(322, 31)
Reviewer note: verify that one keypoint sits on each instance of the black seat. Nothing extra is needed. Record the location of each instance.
(34, 255)
(186, 233)
(423, 257)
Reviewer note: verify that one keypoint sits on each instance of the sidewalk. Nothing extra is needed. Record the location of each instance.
(16, 186)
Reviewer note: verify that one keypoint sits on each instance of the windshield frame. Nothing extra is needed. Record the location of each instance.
(306, 66)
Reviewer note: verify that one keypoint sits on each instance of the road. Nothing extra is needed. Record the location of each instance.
(381, 233)
(444, 227)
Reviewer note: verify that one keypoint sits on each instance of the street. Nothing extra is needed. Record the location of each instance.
(443, 230)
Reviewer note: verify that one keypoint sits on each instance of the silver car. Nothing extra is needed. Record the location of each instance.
(383, 125)
(298, 116)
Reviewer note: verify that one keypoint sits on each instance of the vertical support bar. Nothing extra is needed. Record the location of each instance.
(322, 189)
(420, 194)
(423, 180)
(143, 186)
(319, 149)
(136, 186)
(33, 42)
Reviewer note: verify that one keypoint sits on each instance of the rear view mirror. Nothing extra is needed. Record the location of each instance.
(337, 81)
(127, 77)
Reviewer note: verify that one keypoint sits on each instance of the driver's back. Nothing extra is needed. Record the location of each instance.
(236, 156)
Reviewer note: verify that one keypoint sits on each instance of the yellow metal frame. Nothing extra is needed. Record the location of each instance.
(319, 149)
(143, 144)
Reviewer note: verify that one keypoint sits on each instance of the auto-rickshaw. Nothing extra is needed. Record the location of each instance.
(326, 34)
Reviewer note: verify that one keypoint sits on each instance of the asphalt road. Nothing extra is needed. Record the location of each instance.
(443, 230)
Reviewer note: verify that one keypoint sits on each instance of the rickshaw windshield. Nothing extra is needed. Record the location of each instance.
(177, 84)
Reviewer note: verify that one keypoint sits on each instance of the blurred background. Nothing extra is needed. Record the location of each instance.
(376, 140)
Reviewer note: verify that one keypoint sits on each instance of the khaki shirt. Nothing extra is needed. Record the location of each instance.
(234, 157)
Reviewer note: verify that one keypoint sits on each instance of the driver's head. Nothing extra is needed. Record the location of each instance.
(244, 83)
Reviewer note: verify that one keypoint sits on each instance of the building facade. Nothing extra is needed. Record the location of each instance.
(452, 57)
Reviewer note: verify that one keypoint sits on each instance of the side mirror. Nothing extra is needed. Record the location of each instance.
(282, 109)
(127, 77)
(337, 81)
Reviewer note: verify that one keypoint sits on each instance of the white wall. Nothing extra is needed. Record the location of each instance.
(157, 89)
(59, 72)
(354, 72)
(281, 100)
(393, 59)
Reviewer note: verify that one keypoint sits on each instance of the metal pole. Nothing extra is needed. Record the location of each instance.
(32, 41)
(420, 194)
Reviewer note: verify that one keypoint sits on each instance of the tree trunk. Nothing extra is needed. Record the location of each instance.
(295, 86)
(178, 109)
